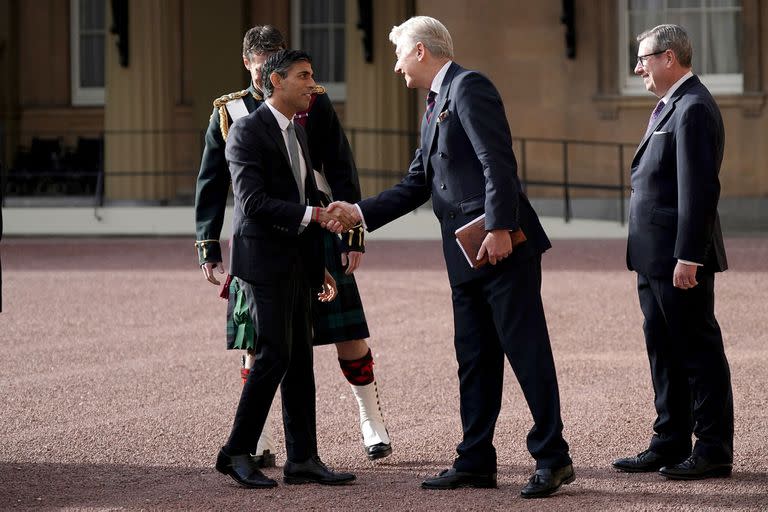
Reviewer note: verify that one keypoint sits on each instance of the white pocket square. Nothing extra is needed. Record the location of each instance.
(661, 132)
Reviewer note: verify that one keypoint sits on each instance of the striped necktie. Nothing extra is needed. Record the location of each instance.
(430, 105)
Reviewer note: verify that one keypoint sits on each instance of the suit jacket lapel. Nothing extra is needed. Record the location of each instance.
(443, 98)
(665, 113)
(273, 129)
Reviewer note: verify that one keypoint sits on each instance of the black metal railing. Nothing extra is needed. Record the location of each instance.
(567, 184)
(530, 173)
(43, 168)
(41, 165)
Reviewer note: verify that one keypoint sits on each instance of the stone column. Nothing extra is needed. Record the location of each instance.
(138, 110)
(378, 99)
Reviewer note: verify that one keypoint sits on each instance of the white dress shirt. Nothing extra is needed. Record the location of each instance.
(666, 99)
(437, 82)
(283, 123)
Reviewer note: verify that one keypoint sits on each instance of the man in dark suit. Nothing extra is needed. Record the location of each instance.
(341, 322)
(1, 237)
(675, 245)
(277, 254)
(466, 165)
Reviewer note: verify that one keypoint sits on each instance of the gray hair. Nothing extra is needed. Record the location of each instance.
(670, 37)
(425, 30)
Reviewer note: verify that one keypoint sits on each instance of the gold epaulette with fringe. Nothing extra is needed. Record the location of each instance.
(221, 104)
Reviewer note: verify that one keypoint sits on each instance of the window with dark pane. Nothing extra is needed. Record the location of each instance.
(92, 33)
(321, 33)
(714, 26)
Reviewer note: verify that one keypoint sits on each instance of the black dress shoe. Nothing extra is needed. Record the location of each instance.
(378, 451)
(645, 462)
(452, 479)
(242, 470)
(547, 481)
(313, 470)
(265, 459)
(696, 467)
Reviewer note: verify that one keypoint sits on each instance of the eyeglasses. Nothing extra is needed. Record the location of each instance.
(642, 59)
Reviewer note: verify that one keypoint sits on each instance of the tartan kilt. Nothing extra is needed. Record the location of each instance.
(342, 319)
(241, 333)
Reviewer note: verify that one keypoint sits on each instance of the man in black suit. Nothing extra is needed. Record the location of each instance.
(341, 322)
(675, 245)
(277, 254)
(466, 165)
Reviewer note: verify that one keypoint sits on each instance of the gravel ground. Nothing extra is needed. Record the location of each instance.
(116, 391)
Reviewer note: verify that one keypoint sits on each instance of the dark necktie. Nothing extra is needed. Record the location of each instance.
(430, 105)
(293, 151)
(655, 114)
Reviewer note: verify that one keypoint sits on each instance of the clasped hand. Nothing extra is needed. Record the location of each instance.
(339, 217)
(497, 245)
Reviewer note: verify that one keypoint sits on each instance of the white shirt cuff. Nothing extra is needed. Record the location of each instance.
(691, 263)
(362, 219)
(306, 220)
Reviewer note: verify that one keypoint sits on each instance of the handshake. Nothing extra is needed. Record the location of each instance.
(338, 217)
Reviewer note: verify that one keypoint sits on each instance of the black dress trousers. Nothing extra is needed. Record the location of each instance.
(280, 311)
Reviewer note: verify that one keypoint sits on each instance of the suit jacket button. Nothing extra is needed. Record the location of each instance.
(442, 155)
(442, 186)
(451, 215)
(631, 190)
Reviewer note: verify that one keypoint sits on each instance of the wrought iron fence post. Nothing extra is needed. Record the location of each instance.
(99, 192)
(566, 187)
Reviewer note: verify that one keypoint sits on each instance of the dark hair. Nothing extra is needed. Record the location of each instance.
(262, 39)
(280, 62)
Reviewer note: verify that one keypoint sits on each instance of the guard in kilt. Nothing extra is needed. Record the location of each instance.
(340, 322)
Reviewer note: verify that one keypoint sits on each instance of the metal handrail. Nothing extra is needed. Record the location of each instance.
(566, 184)
(384, 177)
